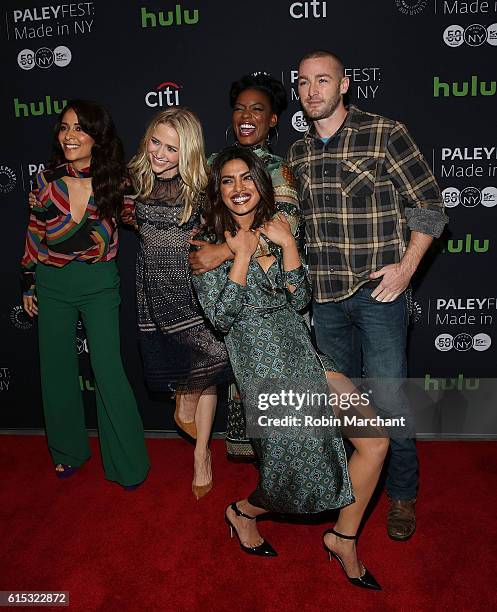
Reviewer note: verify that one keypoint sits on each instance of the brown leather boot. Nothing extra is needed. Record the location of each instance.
(401, 519)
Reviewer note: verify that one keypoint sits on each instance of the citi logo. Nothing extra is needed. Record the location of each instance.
(178, 17)
(165, 94)
(451, 384)
(466, 88)
(468, 244)
(302, 10)
(36, 109)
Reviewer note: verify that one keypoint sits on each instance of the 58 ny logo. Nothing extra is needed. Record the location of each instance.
(463, 342)
(469, 197)
(44, 58)
(473, 35)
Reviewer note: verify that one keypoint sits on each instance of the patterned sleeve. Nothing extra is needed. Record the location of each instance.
(284, 184)
(128, 215)
(34, 236)
(301, 296)
(221, 298)
(128, 212)
(287, 202)
(415, 182)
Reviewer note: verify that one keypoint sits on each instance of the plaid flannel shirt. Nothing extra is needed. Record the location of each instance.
(361, 193)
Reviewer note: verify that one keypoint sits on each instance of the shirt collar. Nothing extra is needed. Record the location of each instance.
(83, 173)
(351, 122)
(259, 149)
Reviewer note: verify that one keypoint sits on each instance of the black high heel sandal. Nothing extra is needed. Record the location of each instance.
(367, 580)
(263, 550)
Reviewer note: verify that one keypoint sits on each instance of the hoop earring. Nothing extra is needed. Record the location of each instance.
(226, 132)
(268, 139)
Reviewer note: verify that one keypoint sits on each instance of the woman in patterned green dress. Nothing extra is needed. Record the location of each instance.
(254, 303)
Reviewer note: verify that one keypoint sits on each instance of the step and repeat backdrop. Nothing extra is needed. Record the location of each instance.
(428, 63)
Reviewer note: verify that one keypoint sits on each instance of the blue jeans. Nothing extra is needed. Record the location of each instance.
(378, 330)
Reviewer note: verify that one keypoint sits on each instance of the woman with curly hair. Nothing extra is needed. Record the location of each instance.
(69, 271)
(179, 349)
(257, 101)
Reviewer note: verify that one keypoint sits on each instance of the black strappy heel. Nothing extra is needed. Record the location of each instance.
(263, 550)
(367, 580)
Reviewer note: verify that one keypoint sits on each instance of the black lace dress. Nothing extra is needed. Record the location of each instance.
(180, 349)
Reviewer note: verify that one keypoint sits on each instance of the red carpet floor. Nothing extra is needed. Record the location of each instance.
(159, 549)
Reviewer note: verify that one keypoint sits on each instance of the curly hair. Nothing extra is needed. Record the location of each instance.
(107, 167)
(261, 81)
(217, 216)
(192, 164)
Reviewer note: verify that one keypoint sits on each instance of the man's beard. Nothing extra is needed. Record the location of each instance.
(317, 115)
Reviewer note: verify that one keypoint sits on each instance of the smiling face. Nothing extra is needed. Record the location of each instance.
(76, 144)
(163, 150)
(252, 117)
(321, 85)
(238, 190)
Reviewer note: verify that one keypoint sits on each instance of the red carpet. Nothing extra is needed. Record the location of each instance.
(159, 549)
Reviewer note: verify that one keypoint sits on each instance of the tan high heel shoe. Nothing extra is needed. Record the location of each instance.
(189, 428)
(201, 490)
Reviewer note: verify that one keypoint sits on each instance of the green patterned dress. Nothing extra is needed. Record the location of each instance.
(267, 340)
(286, 201)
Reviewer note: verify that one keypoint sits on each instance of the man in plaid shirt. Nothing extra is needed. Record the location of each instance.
(371, 207)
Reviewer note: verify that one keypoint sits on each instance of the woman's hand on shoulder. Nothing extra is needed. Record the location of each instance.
(244, 243)
(278, 230)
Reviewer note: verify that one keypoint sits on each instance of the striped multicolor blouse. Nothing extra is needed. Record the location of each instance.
(53, 237)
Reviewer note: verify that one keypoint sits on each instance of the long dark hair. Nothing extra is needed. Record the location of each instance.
(107, 167)
(218, 218)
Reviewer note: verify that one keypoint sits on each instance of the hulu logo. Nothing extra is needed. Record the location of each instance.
(178, 17)
(466, 88)
(468, 244)
(450, 384)
(86, 385)
(36, 109)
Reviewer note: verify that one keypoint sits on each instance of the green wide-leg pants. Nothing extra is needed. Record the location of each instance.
(92, 291)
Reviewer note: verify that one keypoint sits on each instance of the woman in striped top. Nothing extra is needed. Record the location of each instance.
(69, 271)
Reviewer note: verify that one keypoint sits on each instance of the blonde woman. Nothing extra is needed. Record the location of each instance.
(180, 350)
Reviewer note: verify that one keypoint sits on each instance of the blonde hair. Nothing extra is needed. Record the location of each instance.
(192, 163)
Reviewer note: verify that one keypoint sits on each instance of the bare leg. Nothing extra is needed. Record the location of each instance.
(364, 470)
(187, 405)
(204, 417)
(247, 530)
